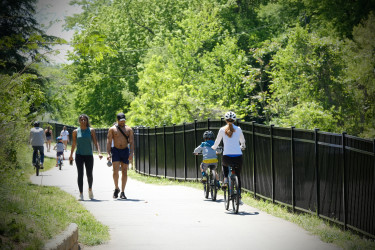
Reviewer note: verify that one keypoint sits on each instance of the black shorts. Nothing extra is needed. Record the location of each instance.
(121, 155)
(232, 161)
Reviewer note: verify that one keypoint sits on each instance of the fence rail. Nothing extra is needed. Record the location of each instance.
(331, 175)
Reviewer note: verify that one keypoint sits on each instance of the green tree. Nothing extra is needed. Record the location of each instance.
(360, 77)
(199, 75)
(113, 39)
(308, 71)
(21, 86)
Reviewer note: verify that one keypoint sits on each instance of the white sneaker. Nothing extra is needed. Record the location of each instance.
(91, 195)
(80, 197)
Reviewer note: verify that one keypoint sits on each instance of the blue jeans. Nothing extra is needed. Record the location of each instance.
(41, 151)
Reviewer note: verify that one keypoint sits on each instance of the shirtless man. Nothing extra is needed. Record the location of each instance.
(121, 153)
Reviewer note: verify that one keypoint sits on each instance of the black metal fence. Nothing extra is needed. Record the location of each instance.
(331, 175)
(101, 134)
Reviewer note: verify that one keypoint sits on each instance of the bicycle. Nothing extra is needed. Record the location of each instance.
(211, 185)
(232, 192)
(59, 161)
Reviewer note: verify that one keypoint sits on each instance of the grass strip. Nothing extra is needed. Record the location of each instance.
(326, 231)
(32, 214)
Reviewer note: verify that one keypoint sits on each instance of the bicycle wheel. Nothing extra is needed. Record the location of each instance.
(213, 185)
(207, 187)
(227, 196)
(236, 195)
(37, 165)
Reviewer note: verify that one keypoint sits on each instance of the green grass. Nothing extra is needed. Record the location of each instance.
(32, 214)
(326, 231)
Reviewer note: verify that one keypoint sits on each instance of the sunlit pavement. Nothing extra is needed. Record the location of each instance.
(175, 217)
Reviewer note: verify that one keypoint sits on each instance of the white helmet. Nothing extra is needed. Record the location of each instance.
(230, 116)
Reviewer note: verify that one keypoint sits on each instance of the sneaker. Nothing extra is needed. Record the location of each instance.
(41, 166)
(122, 195)
(115, 194)
(241, 202)
(80, 197)
(91, 195)
(204, 178)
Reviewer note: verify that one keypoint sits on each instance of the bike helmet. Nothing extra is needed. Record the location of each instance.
(208, 135)
(36, 124)
(230, 116)
(59, 138)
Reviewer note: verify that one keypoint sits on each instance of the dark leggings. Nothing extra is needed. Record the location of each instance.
(233, 161)
(88, 160)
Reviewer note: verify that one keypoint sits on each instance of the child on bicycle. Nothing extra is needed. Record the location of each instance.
(59, 147)
(209, 155)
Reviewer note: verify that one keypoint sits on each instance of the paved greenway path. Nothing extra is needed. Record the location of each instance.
(176, 217)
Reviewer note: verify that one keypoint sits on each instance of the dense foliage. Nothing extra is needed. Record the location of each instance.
(22, 88)
(305, 63)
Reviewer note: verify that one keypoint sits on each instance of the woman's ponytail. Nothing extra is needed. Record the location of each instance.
(229, 129)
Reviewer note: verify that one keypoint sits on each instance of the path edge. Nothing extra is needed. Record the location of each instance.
(68, 239)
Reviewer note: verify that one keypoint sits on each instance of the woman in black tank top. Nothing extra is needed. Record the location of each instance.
(48, 133)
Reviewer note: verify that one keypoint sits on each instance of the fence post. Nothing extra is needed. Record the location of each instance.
(144, 150)
(137, 166)
(272, 164)
(184, 139)
(254, 160)
(344, 189)
(317, 180)
(156, 153)
(149, 155)
(165, 153)
(195, 143)
(292, 163)
(174, 150)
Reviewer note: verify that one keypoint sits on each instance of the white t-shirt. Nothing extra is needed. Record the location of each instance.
(232, 145)
(64, 134)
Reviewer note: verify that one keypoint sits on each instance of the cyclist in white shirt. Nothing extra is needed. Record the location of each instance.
(234, 143)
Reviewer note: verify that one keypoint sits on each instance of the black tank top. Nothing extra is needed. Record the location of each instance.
(48, 133)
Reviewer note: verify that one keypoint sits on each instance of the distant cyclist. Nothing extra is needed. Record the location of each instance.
(234, 141)
(209, 155)
(37, 138)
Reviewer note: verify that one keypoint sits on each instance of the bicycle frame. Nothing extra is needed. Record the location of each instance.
(231, 176)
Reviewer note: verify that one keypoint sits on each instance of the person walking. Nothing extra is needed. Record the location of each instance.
(234, 143)
(121, 152)
(37, 138)
(83, 137)
(65, 138)
(48, 133)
